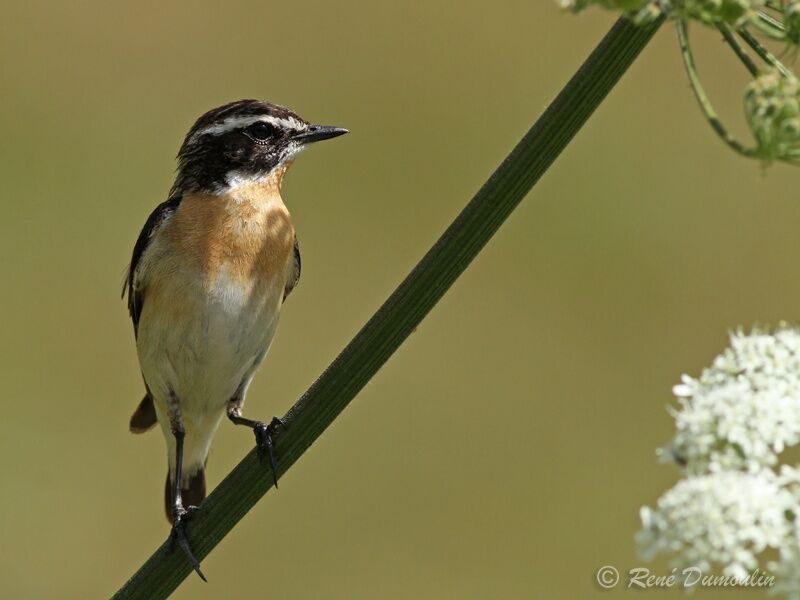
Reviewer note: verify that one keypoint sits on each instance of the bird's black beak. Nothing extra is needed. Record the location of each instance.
(317, 133)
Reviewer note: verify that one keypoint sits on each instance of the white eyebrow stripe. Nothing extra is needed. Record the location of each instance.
(232, 123)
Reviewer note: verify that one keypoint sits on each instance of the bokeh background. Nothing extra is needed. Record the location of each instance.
(505, 450)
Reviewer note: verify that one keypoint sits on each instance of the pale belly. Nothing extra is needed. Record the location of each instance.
(200, 341)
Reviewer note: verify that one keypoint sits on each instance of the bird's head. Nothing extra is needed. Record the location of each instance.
(243, 141)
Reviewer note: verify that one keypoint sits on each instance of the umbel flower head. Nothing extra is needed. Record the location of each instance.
(735, 501)
(744, 409)
(772, 108)
(726, 518)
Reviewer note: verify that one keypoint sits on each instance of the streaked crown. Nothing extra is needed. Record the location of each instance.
(241, 141)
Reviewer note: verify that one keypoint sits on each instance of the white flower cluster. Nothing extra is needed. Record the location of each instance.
(724, 518)
(743, 410)
(734, 501)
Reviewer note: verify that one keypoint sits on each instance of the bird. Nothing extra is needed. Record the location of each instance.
(208, 276)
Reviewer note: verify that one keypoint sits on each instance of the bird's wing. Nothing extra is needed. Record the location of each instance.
(157, 219)
(294, 277)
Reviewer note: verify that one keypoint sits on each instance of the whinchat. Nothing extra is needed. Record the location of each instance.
(210, 272)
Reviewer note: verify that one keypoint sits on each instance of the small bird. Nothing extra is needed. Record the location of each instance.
(210, 272)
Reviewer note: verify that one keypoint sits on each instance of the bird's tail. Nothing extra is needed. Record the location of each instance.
(144, 417)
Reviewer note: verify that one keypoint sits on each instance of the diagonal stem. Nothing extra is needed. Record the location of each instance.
(769, 26)
(740, 52)
(405, 308)
(765, 54)
(776, 28)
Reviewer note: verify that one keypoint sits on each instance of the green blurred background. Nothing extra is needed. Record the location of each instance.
(505, 450)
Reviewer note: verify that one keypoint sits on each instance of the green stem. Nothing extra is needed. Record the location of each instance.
(769, 26)
(700, 94)
(765, 54)
(773, 23)
(404, 309)
(726, 32)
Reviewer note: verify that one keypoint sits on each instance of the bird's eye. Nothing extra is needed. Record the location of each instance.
(260, 131)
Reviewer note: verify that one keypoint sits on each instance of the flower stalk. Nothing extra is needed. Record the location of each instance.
(774, 129)
(705, 104)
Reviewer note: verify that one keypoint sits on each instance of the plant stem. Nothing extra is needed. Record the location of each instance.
(765, 54)
(769, 26)
(700, 94)
(404, 309)
(726, 32)
(779, 31)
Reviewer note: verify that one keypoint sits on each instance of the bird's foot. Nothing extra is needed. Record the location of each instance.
(264, 434)
(180, 516)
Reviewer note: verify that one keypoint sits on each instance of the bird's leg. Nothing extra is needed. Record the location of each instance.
(181, 514)
(264, 433)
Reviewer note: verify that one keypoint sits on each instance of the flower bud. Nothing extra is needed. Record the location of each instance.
(772, 109)
(791, 21)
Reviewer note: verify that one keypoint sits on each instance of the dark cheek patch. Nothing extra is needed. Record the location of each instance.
(247, 156)
(235, 154)
(207, 168)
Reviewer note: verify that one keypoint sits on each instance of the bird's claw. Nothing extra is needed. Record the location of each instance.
(180, 516)
(264, 434)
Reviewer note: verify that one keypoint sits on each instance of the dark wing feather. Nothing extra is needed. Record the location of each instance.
(155, 221)
(295, 275)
